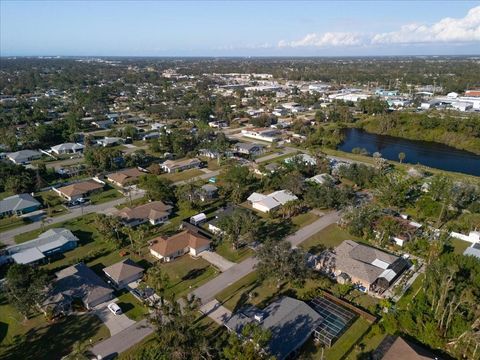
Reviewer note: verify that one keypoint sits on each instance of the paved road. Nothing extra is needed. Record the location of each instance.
(124, 340)
(115, 323)
(7, 237)
(208, 291)
(216, 311)
(215, 259)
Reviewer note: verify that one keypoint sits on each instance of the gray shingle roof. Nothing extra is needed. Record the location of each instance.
(290, 321)
(17, 203)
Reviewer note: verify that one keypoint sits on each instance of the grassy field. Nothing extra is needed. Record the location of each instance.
(32, 339)
(187, 273)
(459, 246)
(183, 175)
(131, 306)
(225, 250)
(329, 237)
(108, 194)
(12, 222)
(252, 290)
(304, 219)
(406, 299)
(341, 347)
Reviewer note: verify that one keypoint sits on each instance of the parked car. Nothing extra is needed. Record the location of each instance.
(114, 308)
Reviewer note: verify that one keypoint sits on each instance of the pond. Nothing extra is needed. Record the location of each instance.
(431, 154)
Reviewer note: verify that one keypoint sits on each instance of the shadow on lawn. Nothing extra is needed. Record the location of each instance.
(50, 342)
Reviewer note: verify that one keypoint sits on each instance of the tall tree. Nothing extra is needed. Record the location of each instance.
(25, 287)
(277, 260)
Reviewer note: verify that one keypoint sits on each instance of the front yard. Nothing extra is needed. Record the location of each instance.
(329, 237)
(225, 249)
(109, 194)
(35, 339)
(183, 175)
(186, 274)
(131, 306)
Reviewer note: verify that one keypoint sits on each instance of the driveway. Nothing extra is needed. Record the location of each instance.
(217, 312)
(115, 323)
(207, 291)
(123, 340)
(220, 262)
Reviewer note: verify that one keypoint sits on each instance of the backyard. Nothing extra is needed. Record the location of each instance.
(342, 346)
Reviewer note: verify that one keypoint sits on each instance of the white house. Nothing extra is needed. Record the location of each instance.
(473, 237)
(322, 179)
(267, 203)
(67, 148)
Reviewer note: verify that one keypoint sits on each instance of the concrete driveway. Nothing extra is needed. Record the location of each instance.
(219, 261)
(115, 323)
(216, 311)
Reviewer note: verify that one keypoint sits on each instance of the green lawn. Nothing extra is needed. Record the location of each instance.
(183, 175)
(57, 207)
(225, 250)
(91, 244)
(250, 289)
(32, 339)
(304, 219)
(329, 237)
(341, 347)
(107, 195)
(12, 222)
(406, 299)
(131, 306)
(459, 246)
(187, 273)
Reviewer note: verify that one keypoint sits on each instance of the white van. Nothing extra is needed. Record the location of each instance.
(114, 308)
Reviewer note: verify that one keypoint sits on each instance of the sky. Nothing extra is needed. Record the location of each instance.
(239, 28)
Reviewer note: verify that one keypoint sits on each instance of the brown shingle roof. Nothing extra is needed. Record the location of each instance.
(125, 176)
(152, 211)
(186, 238)
(80, 188)
(123, 270)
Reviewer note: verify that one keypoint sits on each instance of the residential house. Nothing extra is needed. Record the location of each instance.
(397, 348)
(368, 268)
(79, 190)
(18, 205)
(110, 141)
(208, 192)
(473, 250)
(124, 273)
(249, 149)
(271, 202)
(155, 212)
(67, 148)
(103, 124)
(125, 177)
(211, 154)
(322, 179)
(472, 237)
(302, 158)
(51, 242)
(152, 135)
(291, 323)
(24, 157)
(172, 166)
(76, 282)
(187, 241)
(264, 134)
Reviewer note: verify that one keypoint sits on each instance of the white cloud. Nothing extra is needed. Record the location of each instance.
(461, 30)
(447, 30)
(329, 39)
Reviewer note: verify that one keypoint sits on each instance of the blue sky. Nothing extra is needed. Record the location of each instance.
(239, 28)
